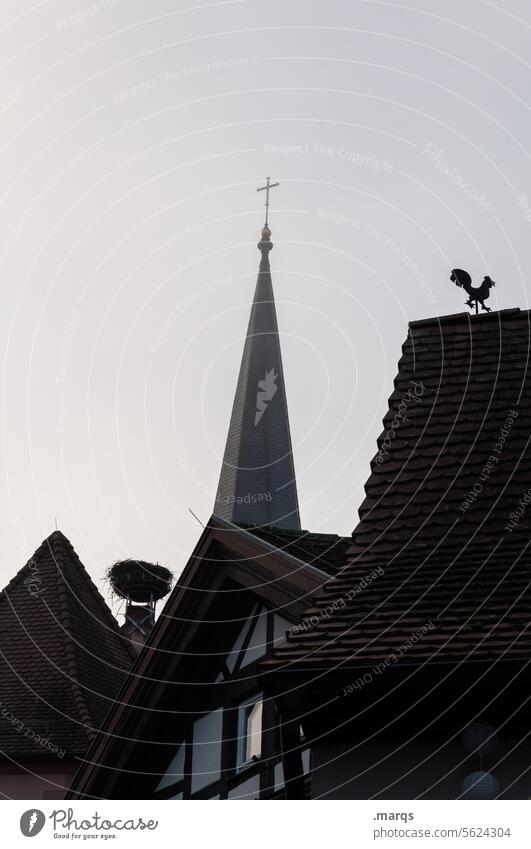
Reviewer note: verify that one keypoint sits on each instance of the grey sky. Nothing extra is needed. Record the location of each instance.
(133, 137)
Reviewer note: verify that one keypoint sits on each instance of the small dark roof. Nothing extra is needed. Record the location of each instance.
(445, 530)
(62, 658)
(324, 551)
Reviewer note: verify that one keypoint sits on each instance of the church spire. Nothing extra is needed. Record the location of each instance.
(257, 481)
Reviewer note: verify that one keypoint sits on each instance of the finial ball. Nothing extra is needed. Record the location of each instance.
(266, 233)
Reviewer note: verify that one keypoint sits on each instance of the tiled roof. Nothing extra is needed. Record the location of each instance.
(445, 530)
(324, 551)
(62, 658)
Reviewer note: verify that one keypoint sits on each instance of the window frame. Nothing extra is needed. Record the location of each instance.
(242, 736)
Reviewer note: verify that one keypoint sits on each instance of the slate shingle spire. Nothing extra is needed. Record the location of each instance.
(257, 482)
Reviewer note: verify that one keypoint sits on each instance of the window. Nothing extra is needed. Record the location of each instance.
(249, 747)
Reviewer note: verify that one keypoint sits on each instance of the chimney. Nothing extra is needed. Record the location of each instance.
(141, 585)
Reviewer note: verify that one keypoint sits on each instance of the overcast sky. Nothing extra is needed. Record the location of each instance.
(133, 138)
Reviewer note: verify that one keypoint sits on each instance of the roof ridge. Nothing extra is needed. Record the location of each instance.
(57, 549)
(17, 577)
(297, 533)
(316, 535)
(114, 628)
(460, 317)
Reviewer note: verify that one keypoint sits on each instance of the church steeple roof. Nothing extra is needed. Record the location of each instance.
(257, 482)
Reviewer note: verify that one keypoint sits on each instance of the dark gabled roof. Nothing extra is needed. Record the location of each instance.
(434, 543)
(62, 658)
(325, 551)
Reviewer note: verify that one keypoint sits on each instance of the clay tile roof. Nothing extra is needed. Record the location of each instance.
(445, 529)
(62, 658)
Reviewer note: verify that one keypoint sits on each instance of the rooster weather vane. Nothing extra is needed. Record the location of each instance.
(476, 294)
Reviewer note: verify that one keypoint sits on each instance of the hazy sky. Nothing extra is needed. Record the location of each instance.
(133, 137)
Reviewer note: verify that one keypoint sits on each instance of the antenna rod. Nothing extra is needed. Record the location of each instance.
(195, 517)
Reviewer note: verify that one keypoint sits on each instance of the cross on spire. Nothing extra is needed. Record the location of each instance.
(266, 188)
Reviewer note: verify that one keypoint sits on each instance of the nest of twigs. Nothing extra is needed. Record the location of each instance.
(136, 580)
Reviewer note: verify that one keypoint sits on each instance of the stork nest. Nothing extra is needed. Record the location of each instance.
(137, 580)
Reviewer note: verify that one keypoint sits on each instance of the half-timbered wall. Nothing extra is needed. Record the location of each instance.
(233, 749)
